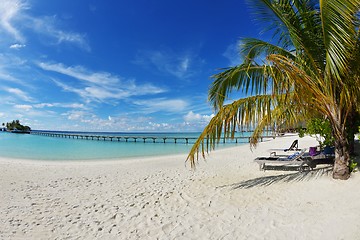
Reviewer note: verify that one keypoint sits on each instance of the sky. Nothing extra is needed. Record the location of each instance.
(116, 65)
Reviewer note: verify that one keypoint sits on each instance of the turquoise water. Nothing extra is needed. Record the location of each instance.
(29, 146)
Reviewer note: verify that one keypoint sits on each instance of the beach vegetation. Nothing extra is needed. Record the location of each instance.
(16, 125)
(353, 165)
(319, 128)
(310, 68)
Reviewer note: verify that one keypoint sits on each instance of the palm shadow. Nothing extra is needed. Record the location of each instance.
(292, 177)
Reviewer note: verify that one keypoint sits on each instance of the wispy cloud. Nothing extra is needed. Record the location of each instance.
(5, 76)
(60, 105)
(232, 53)
(83, 120)
(14, 71)
(163, 105)
(14, 15)
(81, 73)
(99, 86)
(24, 111)
(9, 11)
(192, 117)
(47, 26)
(181, 65)
(17, 46)
(23, 107)
(19, 94)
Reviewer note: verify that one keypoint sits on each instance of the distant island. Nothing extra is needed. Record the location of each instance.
(16, 127)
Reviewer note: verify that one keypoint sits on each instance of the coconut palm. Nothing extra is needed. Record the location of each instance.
(311, 71)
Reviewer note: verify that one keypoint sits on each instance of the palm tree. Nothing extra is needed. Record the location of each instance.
(311, 71)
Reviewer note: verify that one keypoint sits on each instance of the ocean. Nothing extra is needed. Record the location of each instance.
(30, 146)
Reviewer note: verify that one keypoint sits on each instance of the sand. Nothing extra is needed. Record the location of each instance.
(227, 197)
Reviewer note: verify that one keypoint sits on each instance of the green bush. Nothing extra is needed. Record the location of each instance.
(321, 130)
(301, 132)
(353, 165)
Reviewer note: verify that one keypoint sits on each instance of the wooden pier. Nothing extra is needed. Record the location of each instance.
(136, 138)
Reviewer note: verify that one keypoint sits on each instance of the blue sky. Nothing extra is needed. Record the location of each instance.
(115, 65)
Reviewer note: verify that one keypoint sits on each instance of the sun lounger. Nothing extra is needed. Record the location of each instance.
(293, 147)
(295, 160)
(327, 156)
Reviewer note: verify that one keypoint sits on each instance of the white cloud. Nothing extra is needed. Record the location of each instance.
(88, 121)
(60, 105)
(17, 46)
(46, 26)
(81, 120)
(12, 69)
(9, 11)
(23, 107)
(7, 77)
(99, 86)
(162, 104)
(80, 73)
(180, 65)
(100, 93)
(42, 105)
(13, 17)
(77, 115)
(191, 117)
(20, 94)
(94, 122)
(232, 53)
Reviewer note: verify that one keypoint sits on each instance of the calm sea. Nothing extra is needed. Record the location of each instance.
(30, 146)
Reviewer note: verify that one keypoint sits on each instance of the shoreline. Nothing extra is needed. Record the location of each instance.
(44, 148)
(162, 198)
(111, 160)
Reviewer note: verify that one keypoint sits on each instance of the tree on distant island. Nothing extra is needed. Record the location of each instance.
(16, 125)
(311, 71)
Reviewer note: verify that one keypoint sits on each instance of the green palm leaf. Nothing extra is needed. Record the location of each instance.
(339, 33)
(313, 70)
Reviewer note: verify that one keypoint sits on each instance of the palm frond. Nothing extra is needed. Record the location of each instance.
(319, 77)
(353, 83)
(300, 21)
(339, 34)
(248, 78)
(253, 48)
(242, 113)
(256, 112)
(306, 84)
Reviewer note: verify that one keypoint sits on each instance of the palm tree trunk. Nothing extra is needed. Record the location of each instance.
(342, 158)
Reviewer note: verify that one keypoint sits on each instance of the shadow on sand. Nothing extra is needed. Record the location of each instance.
(269, 180)
(292, 177)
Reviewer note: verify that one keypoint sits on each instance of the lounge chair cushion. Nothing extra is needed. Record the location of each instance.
(313, 151)
(292, 156)
(329, 150)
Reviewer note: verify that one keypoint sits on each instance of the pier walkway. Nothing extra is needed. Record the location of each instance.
(136, 138)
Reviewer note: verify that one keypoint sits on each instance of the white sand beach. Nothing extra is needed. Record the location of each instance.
(161, 198)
